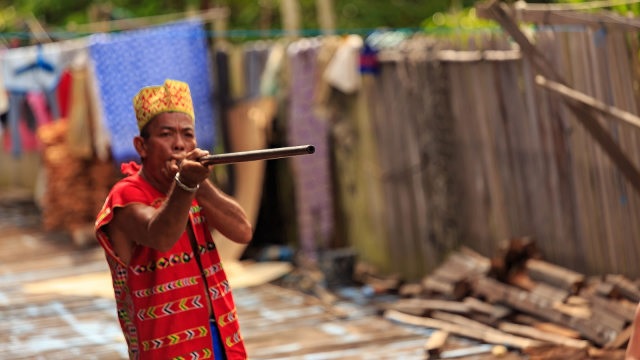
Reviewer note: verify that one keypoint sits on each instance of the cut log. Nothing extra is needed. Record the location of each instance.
(625, 287)
(436, 342)
(494, 311)
(553, 293)
(462, 321)
(493, 337)
(410, 290)
(452, 278)
(580, 311)
(554, 275)
(526, 302)
(531, 332)
(557, 330)
(467, 352)
(447, 288)
(612, 307)
(422, 307)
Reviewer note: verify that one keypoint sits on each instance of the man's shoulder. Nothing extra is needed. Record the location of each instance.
(134, 189)
(132, 186)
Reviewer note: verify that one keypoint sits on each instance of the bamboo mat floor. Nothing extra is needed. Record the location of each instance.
(56, 303)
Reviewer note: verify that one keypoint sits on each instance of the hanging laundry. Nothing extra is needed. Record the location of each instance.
(29, 70)
(256, 55)
(128, 61)
(4, 97)
(313, 190)
(269, 84)
(79, 134)
(343, 72)
(237, 82)
(19, 135)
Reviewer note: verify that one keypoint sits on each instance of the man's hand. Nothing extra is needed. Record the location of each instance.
(192, 172)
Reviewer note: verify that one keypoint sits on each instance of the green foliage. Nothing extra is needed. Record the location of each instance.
(354, 14)
(458, 21)
(245, 14)
(265, 15)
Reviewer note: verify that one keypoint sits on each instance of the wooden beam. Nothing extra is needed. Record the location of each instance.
(575, 95)
(572, 14)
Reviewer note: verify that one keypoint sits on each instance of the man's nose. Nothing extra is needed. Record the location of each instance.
(180, 142)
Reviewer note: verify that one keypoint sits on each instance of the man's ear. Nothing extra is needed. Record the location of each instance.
(140, 145)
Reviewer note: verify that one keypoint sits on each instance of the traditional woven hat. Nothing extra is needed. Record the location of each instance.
(173, 95)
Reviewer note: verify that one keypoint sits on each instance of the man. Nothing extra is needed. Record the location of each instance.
(633, 346)
(173, 299)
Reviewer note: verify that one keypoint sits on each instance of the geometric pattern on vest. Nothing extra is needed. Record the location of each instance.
(195, 355)
(175, 338)
(168, 286)
(220, 290)
(170, 308)
(164, 262)
(232, 340)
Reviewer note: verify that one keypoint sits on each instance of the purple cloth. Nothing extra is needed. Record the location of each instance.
(314, 201)
(128, 61)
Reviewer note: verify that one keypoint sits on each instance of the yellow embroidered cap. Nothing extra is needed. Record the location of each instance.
(173, 95)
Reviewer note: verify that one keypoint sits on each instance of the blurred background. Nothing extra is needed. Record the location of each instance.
(505, 129)
(430, 130)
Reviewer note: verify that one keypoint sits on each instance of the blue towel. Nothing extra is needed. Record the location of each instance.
(128, 61)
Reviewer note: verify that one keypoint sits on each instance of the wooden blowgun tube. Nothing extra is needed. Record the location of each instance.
(265, 154)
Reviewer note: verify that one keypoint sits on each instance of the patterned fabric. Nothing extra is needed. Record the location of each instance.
(128, 61)
(161, 297)
(314, 199)
(171, 96)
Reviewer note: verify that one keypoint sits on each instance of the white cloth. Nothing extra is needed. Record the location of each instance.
(343, 71)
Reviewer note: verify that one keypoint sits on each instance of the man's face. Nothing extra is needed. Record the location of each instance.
(171, 137)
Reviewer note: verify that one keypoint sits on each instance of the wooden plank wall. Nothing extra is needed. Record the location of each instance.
(407, 104)
(604, 205)
(514, 160)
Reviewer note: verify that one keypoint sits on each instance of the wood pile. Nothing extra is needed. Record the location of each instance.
(75, 187)
(520, 301)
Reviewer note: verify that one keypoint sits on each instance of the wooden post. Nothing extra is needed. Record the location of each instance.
(326, 16)
(290, 10)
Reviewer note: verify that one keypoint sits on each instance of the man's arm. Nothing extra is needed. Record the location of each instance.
(633, 348)
(224, 214)
(145, 225)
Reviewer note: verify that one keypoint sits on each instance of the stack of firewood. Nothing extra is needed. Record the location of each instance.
(75, 187)
(518, 300)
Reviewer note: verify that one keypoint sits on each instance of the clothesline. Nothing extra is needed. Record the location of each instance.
(278, 33)
(239, 33)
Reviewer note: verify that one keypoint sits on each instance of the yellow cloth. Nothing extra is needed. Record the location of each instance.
(171, 96)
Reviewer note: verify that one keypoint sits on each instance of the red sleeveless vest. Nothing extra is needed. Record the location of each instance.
(161, 296)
